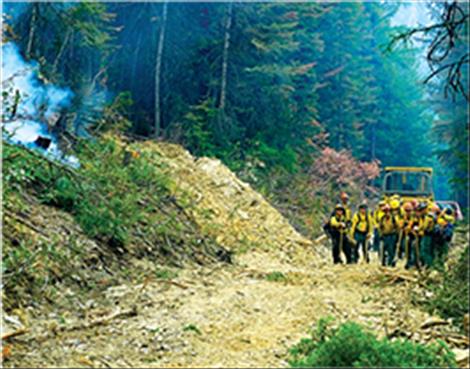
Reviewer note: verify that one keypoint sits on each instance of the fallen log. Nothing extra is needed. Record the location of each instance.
(433, 322)
(119, 314)
(95, 323)
(322, 238)
(12, 334)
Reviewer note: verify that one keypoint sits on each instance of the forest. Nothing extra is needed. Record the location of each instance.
(172, 173)
(269, 85)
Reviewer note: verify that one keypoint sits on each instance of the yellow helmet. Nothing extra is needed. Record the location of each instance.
(395, 204)
(449, 218)
(442, 221)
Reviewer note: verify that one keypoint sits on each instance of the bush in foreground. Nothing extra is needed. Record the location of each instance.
(350, 345)
(450, 297)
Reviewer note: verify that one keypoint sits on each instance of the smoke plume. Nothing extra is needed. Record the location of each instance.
(32, 102)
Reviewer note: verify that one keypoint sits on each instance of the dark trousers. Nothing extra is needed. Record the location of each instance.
(337, 239)
(376, 245)
(361, 243)
(410, 251)
(401, 247)
(426, 250)
(389, 248)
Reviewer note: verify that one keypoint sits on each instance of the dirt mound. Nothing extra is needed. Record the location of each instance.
(223, 205)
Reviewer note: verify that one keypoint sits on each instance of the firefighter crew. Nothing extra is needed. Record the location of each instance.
(344, 197)
(378, 213)
(361, 232)
(338, 228)
(427, 221)
(388, 230)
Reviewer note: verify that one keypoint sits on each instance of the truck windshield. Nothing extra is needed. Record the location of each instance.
(407, 183)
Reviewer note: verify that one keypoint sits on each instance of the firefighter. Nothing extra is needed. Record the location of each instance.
(397, 213)
(441, 240)
(443, 235)
(361, 232)
(388, 230)
(378, 213)
(448, 214)
(344, 197)
(427, 222)
(338, 229)
(409, 236)
(416, 232)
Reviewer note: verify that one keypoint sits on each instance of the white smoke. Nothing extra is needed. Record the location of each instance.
(38, 102)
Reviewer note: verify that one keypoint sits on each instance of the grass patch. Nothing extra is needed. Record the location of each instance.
(276, 277)
(192, 328)
(166, 274)
(351, 345)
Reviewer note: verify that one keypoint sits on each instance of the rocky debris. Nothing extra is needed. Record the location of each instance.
(243, 319)
(223, 205)
(462, 357)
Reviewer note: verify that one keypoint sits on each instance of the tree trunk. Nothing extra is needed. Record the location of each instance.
(158, 67)
(223, 85)
(32, 29)
(134, 63)
(61, 50)
(223, 80)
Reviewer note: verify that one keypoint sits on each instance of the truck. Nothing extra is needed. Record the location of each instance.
(410, 183)
(414, 183)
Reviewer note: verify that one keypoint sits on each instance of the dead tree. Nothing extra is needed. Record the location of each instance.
(443, 54)
(158, 69)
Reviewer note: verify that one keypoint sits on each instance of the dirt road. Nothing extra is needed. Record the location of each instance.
(242, 315)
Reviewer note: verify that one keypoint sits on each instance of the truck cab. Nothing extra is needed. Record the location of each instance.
(408, 182)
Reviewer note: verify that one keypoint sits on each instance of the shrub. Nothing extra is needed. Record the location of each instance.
(350, 345)
(450, 297)
(276, 277)
(105, 195)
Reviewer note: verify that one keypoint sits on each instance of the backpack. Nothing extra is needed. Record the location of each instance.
(327, 228)
(448, 232)
(368, 221)
(394, 221)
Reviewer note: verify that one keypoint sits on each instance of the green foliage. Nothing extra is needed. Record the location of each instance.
(38, 266)
(165, 274)
(103, 194)
(276, 277)
(293, 85)
(198, 129)
(350, 345)
(192, 328)
(450, 297)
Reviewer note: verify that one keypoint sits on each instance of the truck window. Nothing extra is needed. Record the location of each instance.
(407, 183)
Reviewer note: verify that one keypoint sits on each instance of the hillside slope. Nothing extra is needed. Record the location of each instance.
(124, 220)
(205, 272)
(228, 208)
